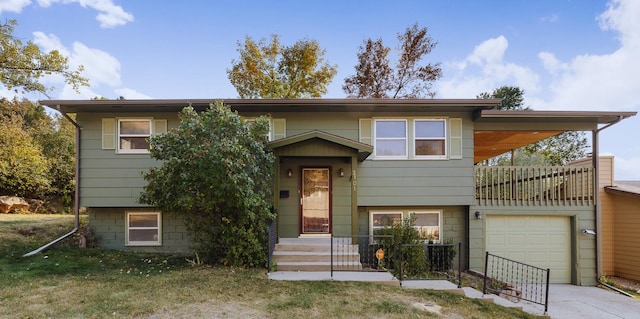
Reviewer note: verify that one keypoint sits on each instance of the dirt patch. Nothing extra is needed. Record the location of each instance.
(624, 283)
(213, 309)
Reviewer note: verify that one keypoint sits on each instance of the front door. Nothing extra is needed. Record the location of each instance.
(316, 201)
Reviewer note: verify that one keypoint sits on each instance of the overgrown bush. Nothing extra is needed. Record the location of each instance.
(216, 173)
(405, 260)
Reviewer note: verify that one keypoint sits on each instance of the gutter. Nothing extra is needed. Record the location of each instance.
(598, 210)
(76, 204)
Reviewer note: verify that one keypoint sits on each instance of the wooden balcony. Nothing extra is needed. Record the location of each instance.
(534, 186)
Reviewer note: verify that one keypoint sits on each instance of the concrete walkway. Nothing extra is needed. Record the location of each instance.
(565, 301)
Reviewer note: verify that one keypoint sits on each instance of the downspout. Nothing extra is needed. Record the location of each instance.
(598, 211)
(76, 204)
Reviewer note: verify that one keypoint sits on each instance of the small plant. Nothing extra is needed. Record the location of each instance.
(195, 261)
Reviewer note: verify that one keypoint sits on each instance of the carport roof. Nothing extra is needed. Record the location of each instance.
(625, 188)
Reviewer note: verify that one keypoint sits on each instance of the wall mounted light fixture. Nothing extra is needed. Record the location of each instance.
(478, 215)
(289, 173)
(341, 172)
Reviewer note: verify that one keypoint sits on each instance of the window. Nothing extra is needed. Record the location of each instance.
(414, 138)
(430, 138)
(143, 229)
(277, 128)
(378, 220)
(391, 138)
(427, 223)
(133, 135)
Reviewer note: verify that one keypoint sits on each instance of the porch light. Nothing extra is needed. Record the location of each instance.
(478, 215)
(289, 173)
(341, 172)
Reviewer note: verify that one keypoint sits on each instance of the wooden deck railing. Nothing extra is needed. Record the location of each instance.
(534, 186)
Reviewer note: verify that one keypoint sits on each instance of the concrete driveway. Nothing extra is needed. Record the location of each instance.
(565, 301)
(568, 301)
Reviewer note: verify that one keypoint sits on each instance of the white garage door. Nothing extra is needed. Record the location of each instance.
(541, 241)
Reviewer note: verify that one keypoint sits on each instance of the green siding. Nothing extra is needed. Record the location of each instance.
(108, 226)
(108, 179)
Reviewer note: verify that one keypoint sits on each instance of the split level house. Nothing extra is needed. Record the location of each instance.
(364, 161)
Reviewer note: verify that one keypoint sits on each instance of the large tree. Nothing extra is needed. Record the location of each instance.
(23, 65)
(556, 150)
(217, 174)
(271, 70)
(37, 158)
(375, 78)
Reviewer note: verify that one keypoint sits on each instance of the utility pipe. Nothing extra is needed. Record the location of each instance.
(76, 204)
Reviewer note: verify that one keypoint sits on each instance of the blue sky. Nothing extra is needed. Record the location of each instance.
(565, 54)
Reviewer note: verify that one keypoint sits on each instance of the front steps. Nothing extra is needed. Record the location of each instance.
(314, 254)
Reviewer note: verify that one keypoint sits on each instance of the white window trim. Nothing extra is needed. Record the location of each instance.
(439, 213)
(406, 138)
(271, 132)
(410, 138)
(406, 214)
(445, 138)
(118, 135)
(143, 243)
(381, 212)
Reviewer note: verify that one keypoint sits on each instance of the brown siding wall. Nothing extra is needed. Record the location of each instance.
(627, 237)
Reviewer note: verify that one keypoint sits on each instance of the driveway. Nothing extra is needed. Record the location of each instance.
(568, 301)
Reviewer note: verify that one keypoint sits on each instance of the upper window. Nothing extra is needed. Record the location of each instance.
(410, 138)
(391, 138)
(429, 138)
(133, 135)
(143, 229)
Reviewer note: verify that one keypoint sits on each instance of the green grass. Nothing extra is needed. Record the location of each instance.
(69, 282)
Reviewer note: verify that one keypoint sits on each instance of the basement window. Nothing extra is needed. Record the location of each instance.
(143, 229)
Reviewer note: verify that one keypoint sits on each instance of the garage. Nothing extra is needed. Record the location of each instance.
(541, 241)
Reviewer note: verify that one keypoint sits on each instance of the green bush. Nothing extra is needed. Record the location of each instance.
(406, 261)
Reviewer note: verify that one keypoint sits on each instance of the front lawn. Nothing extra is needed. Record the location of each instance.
(68, 282)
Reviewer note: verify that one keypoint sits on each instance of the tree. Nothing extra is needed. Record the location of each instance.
(271, 70)
(43, 142)
(374, 77)
(217, 174)
(555, 151)
(22, 65)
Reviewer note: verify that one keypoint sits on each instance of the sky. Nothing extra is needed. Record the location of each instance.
(565, 54)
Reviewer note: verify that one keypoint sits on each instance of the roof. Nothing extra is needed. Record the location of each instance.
(624, 188)
(364, 150)
(276, 105)
(499, 131)
(495, 131)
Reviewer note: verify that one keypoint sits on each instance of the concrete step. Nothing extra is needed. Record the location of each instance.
(316, 266)
(301, 256)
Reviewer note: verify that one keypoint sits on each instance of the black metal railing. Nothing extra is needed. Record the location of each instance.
(360, 253)
(273, 240)
(516, 281)
(430, 261)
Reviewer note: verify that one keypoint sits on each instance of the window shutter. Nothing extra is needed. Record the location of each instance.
(108, 133)
(455, 138)
(365, 131)
(279, 129)
(159, 127)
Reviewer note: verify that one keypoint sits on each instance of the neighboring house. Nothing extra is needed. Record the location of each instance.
(347, 165)
(620, 227)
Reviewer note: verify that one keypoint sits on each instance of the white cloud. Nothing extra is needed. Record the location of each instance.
(131, 94)
(100, 67)
(13, 5)
(109, 16)
(484, 70)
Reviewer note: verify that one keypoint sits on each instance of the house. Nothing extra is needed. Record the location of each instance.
(364, 162)
(620, 202)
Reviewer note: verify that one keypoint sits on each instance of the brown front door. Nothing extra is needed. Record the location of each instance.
(316, 201)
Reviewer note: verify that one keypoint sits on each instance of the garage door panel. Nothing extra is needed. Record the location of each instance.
(541, 241)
